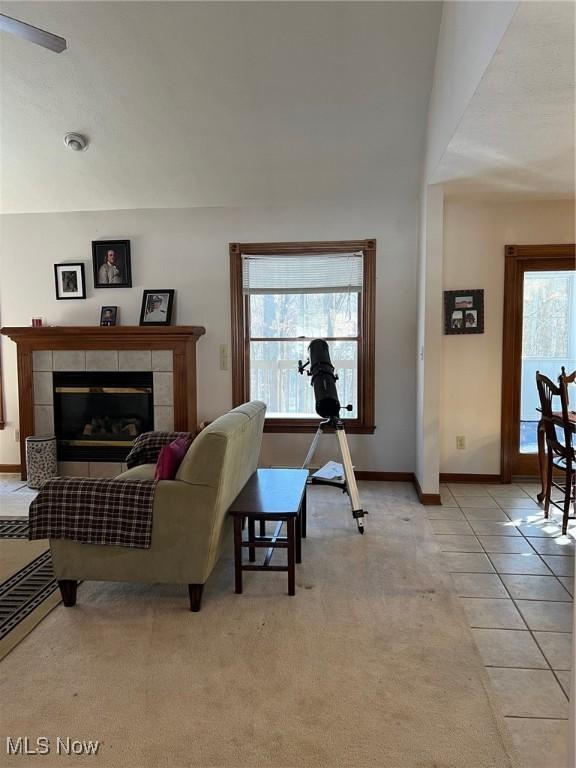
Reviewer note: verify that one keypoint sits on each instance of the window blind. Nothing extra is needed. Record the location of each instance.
(303, 273)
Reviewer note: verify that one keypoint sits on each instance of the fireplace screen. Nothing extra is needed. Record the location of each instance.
(98, 415)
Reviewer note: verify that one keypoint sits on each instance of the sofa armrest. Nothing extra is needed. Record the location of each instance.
(182, 540)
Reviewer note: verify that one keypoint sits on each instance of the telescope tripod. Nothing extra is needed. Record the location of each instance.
(348, 485)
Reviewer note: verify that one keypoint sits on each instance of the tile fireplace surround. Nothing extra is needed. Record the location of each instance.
(168, 352)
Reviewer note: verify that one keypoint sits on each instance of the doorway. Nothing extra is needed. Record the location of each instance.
(539, 335)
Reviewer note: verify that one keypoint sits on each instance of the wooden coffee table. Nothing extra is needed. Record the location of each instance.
(277, 496)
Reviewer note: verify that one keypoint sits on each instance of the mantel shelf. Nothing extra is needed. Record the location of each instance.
(101, 334)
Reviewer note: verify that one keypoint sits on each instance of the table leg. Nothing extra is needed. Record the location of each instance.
(251, 537)
(238, 554)
(299, 537)
(541, 433)
(290, 529)
(303, 514)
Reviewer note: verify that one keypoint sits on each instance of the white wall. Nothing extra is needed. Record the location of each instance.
(475, 234)
(429, 338)
(187, 249)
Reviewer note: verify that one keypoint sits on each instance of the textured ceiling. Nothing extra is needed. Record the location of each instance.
(516, 138)
(215, 104)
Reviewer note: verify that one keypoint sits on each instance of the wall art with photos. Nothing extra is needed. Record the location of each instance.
(157, 307)
(70, 283)
(111, 264)
(464, 311)
(108, 315)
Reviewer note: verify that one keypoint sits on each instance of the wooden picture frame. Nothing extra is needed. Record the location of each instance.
(111, 264)
(464, 311)
(69, 281)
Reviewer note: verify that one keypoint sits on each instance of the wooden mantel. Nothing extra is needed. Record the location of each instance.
(181, 339)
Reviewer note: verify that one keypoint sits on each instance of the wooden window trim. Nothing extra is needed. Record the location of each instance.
(366, 348)
(519, 259)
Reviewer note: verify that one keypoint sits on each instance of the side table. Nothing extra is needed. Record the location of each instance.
(277, 496)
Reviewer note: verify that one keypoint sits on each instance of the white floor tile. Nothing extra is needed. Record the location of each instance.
(508, 648)
(529, 693)
(478, 585)
(539, 743)
(492, 613)
(522, 587)
(557, 647)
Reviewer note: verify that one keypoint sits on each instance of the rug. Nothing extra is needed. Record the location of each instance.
(370, 665)
(28, 589)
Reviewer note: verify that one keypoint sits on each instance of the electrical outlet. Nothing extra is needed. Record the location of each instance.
(16, 435)
(223, 357)
(460, 442)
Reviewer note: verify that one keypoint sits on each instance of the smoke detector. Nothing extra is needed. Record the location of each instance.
(76, 141)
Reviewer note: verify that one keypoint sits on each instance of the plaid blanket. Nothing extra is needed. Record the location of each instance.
(114, 512)
(148, 445)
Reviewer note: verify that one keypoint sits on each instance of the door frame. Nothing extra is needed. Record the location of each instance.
(518, 260)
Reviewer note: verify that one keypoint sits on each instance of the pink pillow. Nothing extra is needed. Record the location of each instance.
(170, 458)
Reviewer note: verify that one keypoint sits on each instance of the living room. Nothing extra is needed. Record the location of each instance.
(425, 139)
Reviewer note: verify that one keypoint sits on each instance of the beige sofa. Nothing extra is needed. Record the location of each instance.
(190, 518)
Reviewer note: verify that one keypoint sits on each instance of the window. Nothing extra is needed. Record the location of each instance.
(283, 296)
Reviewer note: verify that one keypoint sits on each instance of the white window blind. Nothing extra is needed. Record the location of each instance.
(303, 273)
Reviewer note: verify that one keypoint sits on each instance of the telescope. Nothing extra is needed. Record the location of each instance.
(328, 407)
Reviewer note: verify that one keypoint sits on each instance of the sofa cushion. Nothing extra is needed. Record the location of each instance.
(171, 457)
(142, 472)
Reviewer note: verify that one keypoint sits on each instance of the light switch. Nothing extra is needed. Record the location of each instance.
(223, 357)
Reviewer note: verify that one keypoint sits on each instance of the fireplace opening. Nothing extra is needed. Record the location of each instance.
(97, 415)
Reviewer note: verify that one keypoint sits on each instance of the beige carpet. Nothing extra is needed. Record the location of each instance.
(371, 664)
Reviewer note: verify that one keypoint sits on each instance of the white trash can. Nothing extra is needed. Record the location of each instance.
(41, 462)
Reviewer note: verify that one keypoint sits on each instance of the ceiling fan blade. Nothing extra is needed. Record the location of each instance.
(33, 34)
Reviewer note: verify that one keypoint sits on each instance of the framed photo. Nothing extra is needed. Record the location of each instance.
(464, 311)
(111, 264)
(108, 315)
(70, 283)
(157, 307)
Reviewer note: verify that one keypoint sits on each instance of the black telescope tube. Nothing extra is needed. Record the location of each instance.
(323, 380)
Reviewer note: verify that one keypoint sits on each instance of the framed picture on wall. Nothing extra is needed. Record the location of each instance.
(111, 264)
(157, 307)
(70, 283)
(464, 311)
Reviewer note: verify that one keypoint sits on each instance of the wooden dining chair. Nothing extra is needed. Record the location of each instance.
(560, 452)
(565, 379)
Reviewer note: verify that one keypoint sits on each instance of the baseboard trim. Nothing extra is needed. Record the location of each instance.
(428, 499)
(462, 477)
(10, 468)
(366, 474)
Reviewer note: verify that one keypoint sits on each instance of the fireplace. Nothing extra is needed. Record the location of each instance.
(166, 352)
(97, 415)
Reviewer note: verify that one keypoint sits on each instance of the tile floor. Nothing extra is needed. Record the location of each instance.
(15, 496)
(514, 574)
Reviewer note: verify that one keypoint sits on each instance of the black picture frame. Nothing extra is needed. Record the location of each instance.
(165, 303)
(70, 281)
(108, 316)
(464, 311)
(118, 273)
